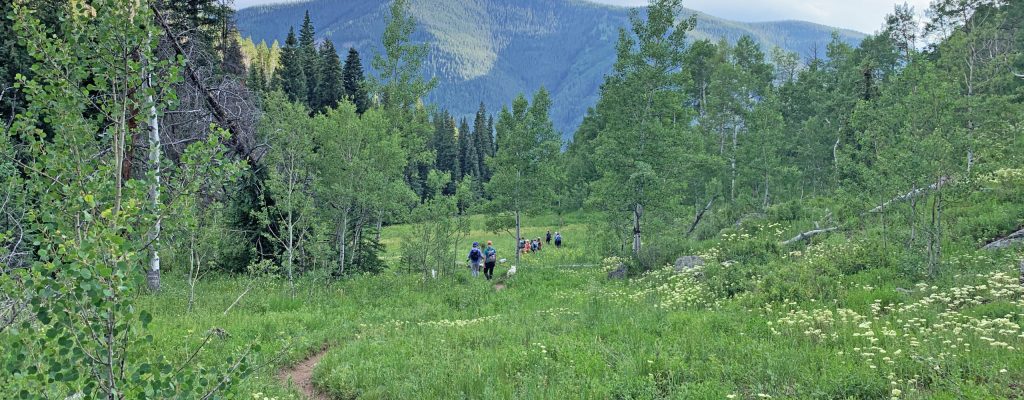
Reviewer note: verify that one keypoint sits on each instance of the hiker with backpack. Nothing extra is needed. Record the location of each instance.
(490, 258)
(476, 258)
(558, 240)
(547, 238)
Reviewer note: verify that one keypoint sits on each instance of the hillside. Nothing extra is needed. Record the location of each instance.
(490, 50)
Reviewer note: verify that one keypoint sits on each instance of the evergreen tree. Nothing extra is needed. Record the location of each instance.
(309, 58)
(290, 76)
(492, 133)
(233, 62)
(484, 141)
(469, 159)
(354, 81)
(256, 81)
(444, 144)
(329, 89)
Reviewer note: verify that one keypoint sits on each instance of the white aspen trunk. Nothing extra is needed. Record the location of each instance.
(766, 185)
(291, 250)
(913, 219)
(638, 210)
(341, 242)
(153, 273)
(970, 108)
(732, 161)
(357, 236)
(193, 271)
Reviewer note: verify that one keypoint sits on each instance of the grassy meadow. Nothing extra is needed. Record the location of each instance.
(819, 322)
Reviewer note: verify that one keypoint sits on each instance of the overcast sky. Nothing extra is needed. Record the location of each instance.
(862, 15)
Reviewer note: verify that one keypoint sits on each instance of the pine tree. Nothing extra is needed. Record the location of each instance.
(290, 76)
(329, 89)
(445, 146)
(233, 62)
(468, 154)
(256, 81)
(355, 82)
(492, 133)
(484, 141)
(308, 57)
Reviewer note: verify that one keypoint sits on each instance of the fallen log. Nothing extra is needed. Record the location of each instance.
(700, 216)
(909, 195)
(1007, 241)
(809, 234)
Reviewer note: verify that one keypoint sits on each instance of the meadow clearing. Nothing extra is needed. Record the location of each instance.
(794, 329)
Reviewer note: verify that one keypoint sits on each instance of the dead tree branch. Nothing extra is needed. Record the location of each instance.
(700, 216)
(909, 195)
(809, 234)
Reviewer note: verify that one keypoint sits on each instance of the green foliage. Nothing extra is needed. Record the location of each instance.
(88, 219)
(330, 85)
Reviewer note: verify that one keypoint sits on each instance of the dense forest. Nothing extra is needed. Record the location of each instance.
(147, 139)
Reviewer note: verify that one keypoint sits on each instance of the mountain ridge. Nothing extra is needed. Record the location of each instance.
(490, 50)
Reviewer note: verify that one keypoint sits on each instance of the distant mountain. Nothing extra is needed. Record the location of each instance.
(491, 50)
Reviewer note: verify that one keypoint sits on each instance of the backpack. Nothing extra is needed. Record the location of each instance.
(491, 255)
(558, 239)
(475, 254)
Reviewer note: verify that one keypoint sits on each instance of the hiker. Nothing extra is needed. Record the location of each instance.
(476, 257)
(536, 244)
(547, 237)
(490, 258)
(526, 250)
(522, 246)
(558, 240)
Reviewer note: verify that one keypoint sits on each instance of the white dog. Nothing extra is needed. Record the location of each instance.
(511, 271)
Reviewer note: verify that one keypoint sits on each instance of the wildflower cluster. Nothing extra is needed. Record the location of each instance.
(1007, 175)
(929, 333)
(673, 290)
(612, 263)
(458, 323)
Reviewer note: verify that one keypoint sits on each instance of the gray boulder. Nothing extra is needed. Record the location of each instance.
(619, 273)
(686, 263)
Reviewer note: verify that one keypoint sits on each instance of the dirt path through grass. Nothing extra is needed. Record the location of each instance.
(301, 375)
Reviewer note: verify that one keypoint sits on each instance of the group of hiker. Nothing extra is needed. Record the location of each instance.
(535, 245)
(487, 257)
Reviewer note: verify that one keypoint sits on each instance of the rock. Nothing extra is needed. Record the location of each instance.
(686, 263)
(905, 292)
(619, 273)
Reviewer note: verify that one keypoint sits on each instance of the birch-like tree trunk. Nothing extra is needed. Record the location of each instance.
(638, 211)
(153, 273)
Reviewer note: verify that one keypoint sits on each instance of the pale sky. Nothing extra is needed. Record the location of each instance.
(862, 15)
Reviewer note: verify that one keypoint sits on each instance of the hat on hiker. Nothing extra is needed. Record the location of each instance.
(476, 244)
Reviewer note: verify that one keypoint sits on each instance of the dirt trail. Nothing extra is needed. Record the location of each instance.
(499, 287)
(301, 375)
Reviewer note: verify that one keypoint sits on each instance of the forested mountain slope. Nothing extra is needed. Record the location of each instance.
(491, 50)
